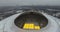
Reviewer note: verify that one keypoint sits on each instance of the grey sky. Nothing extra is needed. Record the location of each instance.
(29, 2)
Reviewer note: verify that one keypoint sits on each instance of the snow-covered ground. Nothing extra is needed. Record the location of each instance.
(6, 12)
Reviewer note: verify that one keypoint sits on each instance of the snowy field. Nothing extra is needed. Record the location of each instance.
(8, 11)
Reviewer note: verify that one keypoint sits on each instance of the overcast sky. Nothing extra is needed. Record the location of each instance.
(29, 2)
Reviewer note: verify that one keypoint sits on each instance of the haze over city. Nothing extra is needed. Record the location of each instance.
(29, 2)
